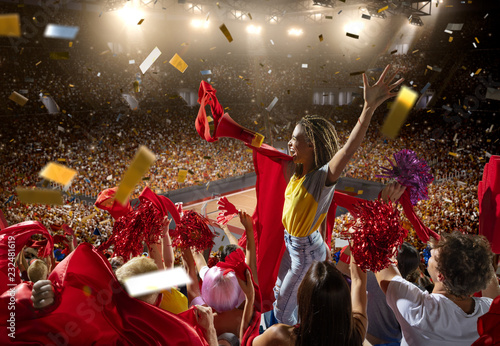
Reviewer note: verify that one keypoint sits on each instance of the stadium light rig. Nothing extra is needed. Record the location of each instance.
(253, 29)
(324, 3)
(415, 20)
(197, 23)
(295, 32)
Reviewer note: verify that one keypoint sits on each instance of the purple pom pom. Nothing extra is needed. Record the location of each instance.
(411, 172)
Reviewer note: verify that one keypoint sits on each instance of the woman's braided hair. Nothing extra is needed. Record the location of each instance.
(321, 133)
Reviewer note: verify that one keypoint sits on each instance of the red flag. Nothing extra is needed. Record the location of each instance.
(12, 240)
(106, 201)
(489, 203)
(206, 97)
(3, 222)
(92, 308)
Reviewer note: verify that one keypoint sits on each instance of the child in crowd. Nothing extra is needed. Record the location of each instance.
(318, 162)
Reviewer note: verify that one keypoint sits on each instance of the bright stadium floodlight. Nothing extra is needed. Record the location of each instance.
(252, 29)
(197, 23)
(129, 14)
(354, 27)
(295, 32)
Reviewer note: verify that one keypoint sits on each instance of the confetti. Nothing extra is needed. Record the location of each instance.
(18, 98)
(382, 9)
(39, 196)
(424, 89)
(10, 25)
(356, 73)
(58, 173)
(61, 31)
(181, 176)
(156, 281)
(178, 63)
(226, 32)
(365, 16)
(59, 55)
(352, 35)
(272, 104)
(320, 38)
(146, 64)
(140, 22)
(88, 217)
(143, 159)
(404, 102)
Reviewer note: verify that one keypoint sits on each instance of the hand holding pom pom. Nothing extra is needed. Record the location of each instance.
(411, 172)
(376, 235)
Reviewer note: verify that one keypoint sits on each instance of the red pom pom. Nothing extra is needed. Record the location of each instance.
(212, 260)
(377, 235)
(192, 232)
(144, 224)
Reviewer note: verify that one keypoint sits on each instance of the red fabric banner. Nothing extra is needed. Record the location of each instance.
(106, 201)
(489, 203)
(14, 238)
(92, 308)
(206, 97)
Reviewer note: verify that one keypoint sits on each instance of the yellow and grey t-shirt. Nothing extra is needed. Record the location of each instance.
(307, 201)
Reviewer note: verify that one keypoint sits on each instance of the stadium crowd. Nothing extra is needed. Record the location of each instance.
(96, 132)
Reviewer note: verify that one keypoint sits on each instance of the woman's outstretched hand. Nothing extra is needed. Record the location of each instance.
(375, 95)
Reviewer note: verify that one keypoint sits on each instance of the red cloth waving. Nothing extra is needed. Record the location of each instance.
(106, 201)
(487, 326)
(236, 262)
(270, 188)
(206, 97)
(12, 240)
(93, 308)
(423, 232)
(489, 203)
(162, 203)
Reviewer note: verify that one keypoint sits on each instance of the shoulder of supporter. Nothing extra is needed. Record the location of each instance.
(407, 299)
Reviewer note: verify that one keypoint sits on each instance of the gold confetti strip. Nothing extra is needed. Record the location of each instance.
(18, 98)
(178, 63)
(404, 103)
(143, 159)
(88, 217)
(39, 196)
(181, 176)
(10, 25)
(58, 173)
(226, 32)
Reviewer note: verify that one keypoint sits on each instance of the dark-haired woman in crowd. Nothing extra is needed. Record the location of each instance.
(329, 312)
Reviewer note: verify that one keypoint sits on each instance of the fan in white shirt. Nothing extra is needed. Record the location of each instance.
(461, 264)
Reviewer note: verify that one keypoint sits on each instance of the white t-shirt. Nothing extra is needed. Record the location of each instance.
(432, 319)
